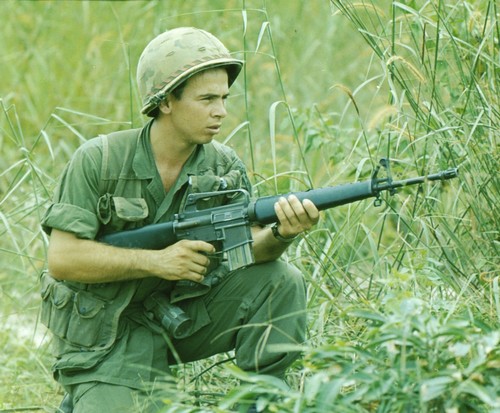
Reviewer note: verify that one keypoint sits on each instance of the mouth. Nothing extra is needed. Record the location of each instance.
(214, 128)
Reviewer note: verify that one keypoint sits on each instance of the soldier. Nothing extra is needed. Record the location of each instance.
(112, 354)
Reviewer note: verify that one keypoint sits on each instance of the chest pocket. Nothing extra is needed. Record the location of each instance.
(119, 213)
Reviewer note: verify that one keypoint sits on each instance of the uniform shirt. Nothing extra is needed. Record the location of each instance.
(81, 207)
(112, 184)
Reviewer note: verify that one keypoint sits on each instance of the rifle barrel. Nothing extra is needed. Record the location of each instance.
(443, 175)
(439, 176)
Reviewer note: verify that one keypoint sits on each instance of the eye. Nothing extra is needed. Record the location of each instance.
(208, 98)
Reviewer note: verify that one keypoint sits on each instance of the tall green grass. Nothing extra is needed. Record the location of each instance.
(404, 300)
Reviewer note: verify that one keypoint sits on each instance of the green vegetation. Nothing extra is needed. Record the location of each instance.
(404, 299)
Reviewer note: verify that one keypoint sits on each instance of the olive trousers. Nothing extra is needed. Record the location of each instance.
(256, 311)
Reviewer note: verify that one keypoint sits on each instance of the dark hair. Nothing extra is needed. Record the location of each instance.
(176, 93)
(179, 90)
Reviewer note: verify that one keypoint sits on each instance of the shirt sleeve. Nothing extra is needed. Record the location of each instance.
(74, 205)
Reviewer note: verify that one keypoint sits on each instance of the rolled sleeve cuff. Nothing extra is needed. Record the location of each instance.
(71, 218)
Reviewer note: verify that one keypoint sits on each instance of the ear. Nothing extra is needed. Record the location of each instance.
(165, 106)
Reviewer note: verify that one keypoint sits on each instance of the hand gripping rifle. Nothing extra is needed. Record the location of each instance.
(228, 226)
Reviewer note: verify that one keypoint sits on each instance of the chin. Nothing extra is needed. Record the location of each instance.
(206, 139)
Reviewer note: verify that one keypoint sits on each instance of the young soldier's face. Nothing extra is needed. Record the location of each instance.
(197, 116)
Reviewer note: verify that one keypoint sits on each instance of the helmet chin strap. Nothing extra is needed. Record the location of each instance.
(157, 99)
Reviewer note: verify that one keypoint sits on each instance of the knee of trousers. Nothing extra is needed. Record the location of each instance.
(278, 291)
(278, 314)
(280, 271)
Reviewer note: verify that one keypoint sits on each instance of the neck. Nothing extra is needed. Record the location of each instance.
(169, 153)
(168, 150)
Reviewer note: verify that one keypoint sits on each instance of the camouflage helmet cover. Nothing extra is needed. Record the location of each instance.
(174, 56)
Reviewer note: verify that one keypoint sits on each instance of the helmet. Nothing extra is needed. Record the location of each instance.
(174, 56)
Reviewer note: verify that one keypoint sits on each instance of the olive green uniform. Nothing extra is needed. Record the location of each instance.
(106, 342)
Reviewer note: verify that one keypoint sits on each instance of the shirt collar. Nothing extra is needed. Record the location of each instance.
(144, 164)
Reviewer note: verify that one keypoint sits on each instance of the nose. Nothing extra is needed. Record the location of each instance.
(219, 109)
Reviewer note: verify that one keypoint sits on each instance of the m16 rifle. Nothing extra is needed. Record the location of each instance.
(228, 226)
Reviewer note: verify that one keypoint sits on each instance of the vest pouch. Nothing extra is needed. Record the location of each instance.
(105, 291)
(60, 300)
(85, 320)
(46, 306)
